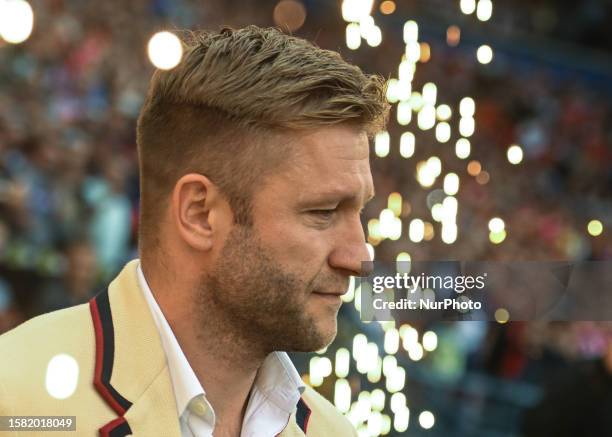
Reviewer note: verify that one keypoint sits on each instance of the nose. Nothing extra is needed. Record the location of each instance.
(350, 254)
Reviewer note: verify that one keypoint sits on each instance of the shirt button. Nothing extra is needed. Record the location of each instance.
(200, 408)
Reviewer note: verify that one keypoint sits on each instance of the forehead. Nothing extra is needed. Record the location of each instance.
(330, 160)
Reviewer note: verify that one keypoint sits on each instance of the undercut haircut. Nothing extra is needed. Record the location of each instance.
(223, 111)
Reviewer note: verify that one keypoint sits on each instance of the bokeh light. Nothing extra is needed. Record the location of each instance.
(62, 376)
(416, 230)
(165, 50)
(467, 125)
(342, 395)
(514, 154)
(353, 36)
(484, 10)
(407, 144)
(467, 6)
(497, 237)
(381, 144)
(425, 52)
(427, 117)
(483, 177)
(289, 15)
(387, 7)
(496, 224)
(430, 341)
(444, 112)
(356, 10)
(427, 420)
(595, 228)
(453, 35)
(443, 132)
(502, 315)
(451, 184)
(484, 54)
(401, 419)
(16, 20)
(462, 148)
(374, 36)
(467, 107)
(411, 31)
(474, 168)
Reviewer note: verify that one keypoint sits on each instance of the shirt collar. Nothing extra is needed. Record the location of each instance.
(277, 378)
(279, 381)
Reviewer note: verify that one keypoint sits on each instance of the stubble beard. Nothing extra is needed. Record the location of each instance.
(254, 303)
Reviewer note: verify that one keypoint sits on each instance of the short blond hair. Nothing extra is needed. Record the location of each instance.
(216, 111)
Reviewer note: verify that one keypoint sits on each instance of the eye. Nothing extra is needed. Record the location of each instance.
(324, 214)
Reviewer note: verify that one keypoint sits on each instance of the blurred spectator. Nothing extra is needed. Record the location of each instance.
(111, 219)
(77, 285)
(578, 400)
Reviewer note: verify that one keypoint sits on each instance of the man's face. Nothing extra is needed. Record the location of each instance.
(280, 281)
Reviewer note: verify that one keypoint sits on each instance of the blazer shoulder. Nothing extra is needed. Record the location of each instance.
(69, 331)
(48, 366)
(37, 326)
(326, 418)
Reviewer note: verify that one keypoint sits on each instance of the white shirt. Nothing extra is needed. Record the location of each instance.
(276, 390)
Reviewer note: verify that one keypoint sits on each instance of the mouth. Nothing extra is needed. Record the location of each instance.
(330, 293)
(331, 297)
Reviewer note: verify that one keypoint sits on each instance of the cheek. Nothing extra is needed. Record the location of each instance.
(299, 246)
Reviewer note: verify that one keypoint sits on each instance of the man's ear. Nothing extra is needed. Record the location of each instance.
(199, 211)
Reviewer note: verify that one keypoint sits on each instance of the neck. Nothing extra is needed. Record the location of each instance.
(224, 361)
(224, 364)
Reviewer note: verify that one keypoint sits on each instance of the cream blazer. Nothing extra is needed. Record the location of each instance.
(121, 381)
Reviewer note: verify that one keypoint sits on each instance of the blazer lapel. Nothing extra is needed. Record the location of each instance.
(131, 373)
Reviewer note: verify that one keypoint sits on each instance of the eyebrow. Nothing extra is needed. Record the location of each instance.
(339, 196)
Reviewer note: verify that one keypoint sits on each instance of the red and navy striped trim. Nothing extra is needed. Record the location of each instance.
(105, 356)
(302, 415)
(117, 428)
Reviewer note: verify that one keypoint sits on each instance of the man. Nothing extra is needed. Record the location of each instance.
(254, 168)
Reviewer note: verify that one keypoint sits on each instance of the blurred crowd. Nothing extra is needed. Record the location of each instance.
(70, 96)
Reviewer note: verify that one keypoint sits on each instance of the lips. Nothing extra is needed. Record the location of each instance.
(330, 293)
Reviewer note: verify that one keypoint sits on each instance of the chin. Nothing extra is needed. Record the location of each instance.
(317, 337)
(327, 331)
